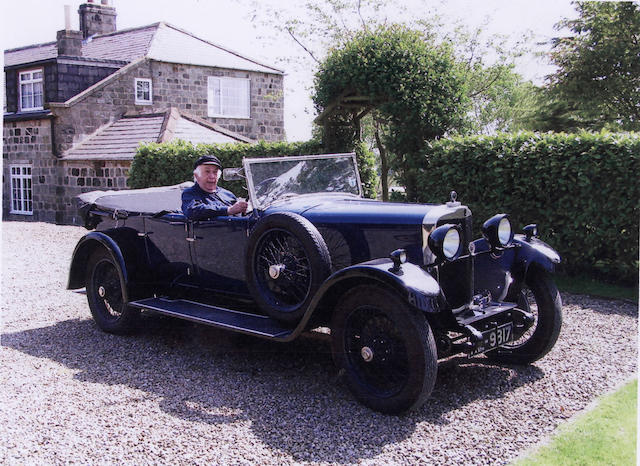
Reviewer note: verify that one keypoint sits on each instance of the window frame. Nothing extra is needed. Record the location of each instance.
(135, 91)
(225, 80)
(22, 185)
(33, 82)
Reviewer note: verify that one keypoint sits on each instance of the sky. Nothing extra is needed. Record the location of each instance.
(234, 24)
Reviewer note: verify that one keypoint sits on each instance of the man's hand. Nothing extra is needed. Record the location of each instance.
(239, 207)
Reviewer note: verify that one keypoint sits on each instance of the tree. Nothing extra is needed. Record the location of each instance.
(484, 63)
(415, 89)
(598, 79)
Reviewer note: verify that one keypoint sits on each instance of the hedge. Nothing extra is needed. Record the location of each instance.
(581, 189)
(164, 164)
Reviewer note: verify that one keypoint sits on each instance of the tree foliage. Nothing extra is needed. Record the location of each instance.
(417, 89)
(598, 79)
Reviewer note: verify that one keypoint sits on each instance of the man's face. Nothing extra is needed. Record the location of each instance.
(207, 177)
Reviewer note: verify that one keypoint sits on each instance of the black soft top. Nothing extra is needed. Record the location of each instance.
(149, 201)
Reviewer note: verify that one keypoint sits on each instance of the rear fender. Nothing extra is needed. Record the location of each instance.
(83, 250)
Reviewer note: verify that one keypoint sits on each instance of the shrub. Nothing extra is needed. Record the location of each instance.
(581, 189)
(172, 163)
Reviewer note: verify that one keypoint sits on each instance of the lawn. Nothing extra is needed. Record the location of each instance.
(604, 435)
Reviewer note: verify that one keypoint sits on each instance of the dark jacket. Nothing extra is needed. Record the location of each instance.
(198, 204)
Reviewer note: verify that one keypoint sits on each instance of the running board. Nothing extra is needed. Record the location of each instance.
(251, 324)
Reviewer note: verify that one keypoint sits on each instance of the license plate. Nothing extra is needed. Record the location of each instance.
(493, 338)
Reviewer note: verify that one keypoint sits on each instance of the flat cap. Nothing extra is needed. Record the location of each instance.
(207, 159)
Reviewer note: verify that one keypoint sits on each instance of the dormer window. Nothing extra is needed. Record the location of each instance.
(30, 88)
(144, 92)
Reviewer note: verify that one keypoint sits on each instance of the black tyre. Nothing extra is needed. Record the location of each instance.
(287, 261)
(386, 349)
(106, 297)
(541, 298)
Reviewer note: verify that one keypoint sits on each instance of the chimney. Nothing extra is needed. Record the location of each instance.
(97, 19)
(69, 42)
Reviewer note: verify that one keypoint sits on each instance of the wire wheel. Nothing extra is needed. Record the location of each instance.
(105, 283)
(282, 269)
(106, 296)
(376, 351)
(541, 298)
(385, 348)
(287, 262)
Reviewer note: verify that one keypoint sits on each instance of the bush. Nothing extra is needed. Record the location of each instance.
(172, 162)
(581, 189)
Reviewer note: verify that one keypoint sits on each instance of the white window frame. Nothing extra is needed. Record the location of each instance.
(33, 82)
(21, 189)
(135, 90)
(219, 102)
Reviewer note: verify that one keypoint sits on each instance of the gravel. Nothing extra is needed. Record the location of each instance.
(187, 394)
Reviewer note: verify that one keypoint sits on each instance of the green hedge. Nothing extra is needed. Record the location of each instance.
(581, 189)
(172, 163)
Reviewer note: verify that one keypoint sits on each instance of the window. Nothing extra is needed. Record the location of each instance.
(21, 192)
(228, 97)
(144, 92)
(30, 90)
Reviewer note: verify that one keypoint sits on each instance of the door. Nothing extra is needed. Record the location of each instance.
(219, 253)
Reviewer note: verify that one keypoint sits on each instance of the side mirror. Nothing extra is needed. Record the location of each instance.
(233, 174)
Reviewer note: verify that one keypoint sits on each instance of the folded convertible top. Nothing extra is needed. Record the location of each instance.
(141, 201)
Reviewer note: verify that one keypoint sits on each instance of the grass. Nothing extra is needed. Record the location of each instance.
(605, 435)
(589, 286)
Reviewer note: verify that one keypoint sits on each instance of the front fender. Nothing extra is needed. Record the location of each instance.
(534, 251)
(411, 282)
(504, 273)
(83, 250)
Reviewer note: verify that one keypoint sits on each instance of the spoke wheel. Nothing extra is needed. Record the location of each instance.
(376, 351)
(386, 349)
(106, 297)
(283, 271)
(541, 298)
(287, 262)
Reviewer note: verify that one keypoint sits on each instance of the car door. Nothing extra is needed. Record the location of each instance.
(219, 248)
(168, 249)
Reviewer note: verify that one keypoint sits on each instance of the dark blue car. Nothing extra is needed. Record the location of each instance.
(398, 285)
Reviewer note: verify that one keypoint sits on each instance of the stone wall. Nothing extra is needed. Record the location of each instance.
(77, 177)
(181, 86)
(29, 143)
(61, 80)
(55, 182)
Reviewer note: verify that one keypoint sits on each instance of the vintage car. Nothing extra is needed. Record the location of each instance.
(399, 286)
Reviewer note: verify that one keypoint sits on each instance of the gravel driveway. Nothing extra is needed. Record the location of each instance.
(182, 393)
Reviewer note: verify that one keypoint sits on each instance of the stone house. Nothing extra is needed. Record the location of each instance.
(76, 109)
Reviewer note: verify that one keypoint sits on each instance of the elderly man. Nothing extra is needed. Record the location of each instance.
(205, 199)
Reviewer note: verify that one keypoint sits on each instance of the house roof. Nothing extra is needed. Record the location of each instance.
(119, 140)
(159, 41)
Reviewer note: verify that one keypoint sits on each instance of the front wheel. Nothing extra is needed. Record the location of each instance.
(539, 297)
(386, 349)
(106, 297)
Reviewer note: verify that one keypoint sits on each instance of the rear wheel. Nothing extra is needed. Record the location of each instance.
(541, 298)
(386, 349)
(106, 297)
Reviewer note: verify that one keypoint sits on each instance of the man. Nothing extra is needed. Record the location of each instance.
(205, 199)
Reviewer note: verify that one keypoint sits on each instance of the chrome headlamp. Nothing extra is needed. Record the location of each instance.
(446, 242)
(498, 232)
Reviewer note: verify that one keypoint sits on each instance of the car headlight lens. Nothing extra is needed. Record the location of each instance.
(504, 232)
(445, 242)
(498, 232)
(451, 243)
